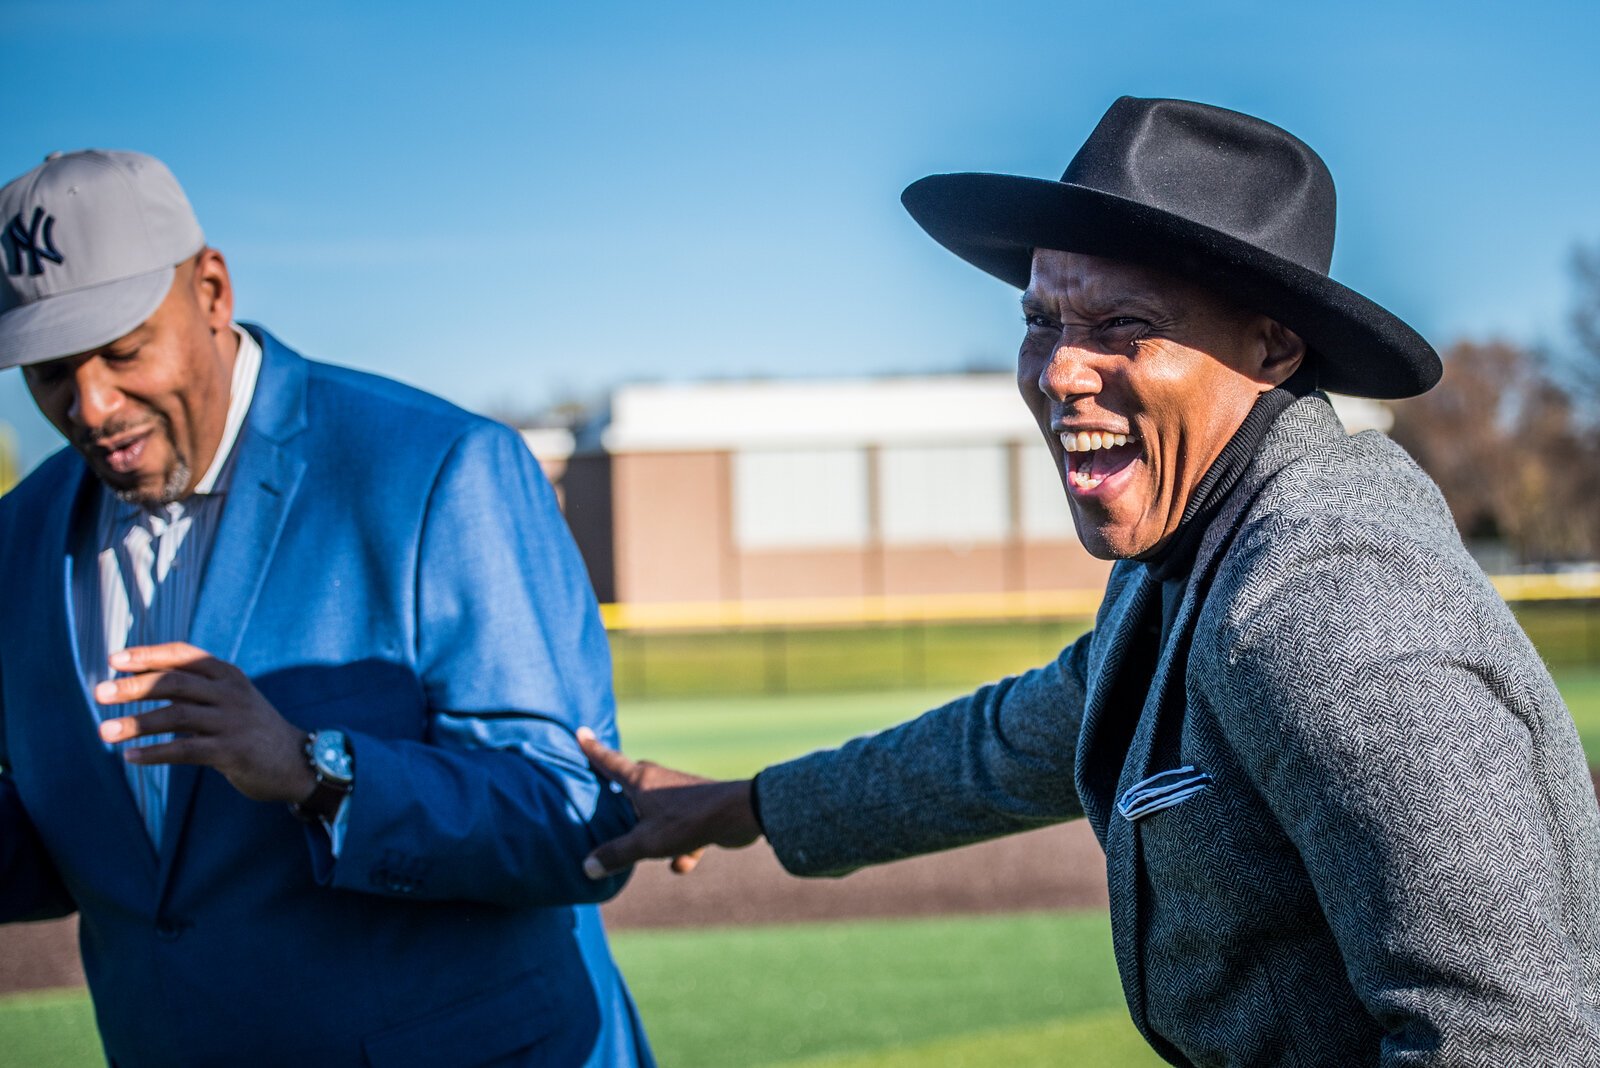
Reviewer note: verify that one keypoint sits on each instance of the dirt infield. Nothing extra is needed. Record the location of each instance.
(1059, 867)
(34, 956)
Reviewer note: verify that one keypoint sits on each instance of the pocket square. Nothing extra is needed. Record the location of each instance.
(1161, 790)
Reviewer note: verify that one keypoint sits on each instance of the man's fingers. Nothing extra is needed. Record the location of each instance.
(155, 686)
(619, 853)
(684, 863)
(607, 761)
(178, 718)
(679, 814)
(166, 657)
(177, 751)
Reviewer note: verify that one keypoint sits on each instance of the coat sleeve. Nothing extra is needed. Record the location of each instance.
(995, 762)
(496, 803)
(30, 886)
(1405, 734)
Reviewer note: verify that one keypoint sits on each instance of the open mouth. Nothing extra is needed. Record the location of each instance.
(123, 454)
(1097, 456)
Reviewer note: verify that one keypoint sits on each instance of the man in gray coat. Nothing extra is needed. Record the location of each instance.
(1346, 816)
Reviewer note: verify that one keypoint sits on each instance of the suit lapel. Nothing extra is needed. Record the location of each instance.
(266, 478)
(73, 733)
(1109, 706)
(1139, 686)
(1125, 873)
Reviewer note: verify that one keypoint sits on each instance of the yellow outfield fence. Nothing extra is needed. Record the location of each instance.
(1564, 586)
(968, 607)
(850, 611)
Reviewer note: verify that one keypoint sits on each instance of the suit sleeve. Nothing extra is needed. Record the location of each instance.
(497, 803)
(995, 762)
(1404, 733)
(30, 886)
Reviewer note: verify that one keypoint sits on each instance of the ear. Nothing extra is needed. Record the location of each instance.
(213, 290)
(1281, 352)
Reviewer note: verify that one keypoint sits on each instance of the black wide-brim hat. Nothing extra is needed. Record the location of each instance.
(1226, 200)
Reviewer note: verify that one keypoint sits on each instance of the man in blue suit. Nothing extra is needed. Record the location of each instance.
(292, 660)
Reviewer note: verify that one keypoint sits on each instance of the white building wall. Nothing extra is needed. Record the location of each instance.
(943, 494)
(1042, 510)
(800, 499)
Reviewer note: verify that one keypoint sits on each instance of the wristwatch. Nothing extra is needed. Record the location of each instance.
(328, 753)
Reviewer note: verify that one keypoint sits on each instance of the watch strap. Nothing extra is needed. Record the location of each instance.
(323, 804)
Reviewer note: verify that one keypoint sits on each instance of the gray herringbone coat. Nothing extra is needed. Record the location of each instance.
(1396, 856)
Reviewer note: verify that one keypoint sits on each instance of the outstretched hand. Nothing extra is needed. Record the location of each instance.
(679, 814)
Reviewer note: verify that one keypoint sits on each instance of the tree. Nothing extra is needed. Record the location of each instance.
(1505, 440)
(1578, 365)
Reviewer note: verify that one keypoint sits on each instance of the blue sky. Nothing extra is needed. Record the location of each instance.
(513, 203)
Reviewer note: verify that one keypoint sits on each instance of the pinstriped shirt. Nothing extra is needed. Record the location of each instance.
(138, 578)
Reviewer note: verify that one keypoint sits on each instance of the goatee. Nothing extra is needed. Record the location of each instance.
(171, 490)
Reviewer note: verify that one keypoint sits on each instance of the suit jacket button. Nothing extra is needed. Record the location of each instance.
(169, 930)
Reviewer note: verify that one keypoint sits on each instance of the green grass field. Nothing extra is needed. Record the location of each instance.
(1581, 687)
(734, 737)
(1015, 990)
(49, 1029)
(928, 991)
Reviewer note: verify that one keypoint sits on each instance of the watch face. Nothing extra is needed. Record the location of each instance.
(331, 757)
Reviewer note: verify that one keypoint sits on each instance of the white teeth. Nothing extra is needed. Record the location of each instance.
(1087, 441)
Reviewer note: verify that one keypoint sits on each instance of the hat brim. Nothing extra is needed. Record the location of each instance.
(995, 221)
(83, 319)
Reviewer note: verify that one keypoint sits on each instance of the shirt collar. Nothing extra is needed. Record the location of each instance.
(246, 369)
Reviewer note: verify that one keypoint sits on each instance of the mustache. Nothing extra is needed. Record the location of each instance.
(96, 435)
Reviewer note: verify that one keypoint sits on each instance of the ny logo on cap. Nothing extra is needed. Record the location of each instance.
(23, 241)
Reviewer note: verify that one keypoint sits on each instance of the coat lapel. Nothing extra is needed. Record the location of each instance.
(1139, 683)
(266, 477)
(1125, 873)
(1108, 713)
(116, 816)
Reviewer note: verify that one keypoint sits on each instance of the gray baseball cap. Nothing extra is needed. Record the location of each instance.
(90, 241)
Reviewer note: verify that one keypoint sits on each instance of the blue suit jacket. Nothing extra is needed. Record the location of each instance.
(388, 564)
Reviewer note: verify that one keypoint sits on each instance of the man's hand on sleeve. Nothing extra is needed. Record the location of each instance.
(679, 814)
(221, 719)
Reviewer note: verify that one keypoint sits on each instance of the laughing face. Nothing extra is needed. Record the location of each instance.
(1138, 379)
(147, 410)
